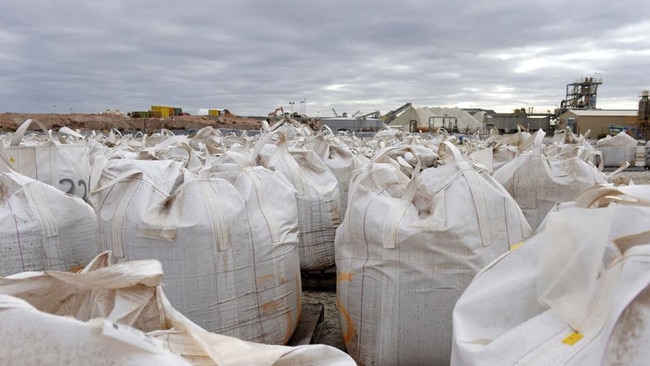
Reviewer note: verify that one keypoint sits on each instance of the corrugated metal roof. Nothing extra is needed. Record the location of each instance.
(603, 112)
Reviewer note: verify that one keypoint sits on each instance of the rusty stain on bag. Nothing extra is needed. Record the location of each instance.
(350, 332)
(270, 280)
(344, 276)
(271, 306)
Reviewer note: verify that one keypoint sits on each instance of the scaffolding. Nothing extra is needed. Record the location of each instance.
(581, 94)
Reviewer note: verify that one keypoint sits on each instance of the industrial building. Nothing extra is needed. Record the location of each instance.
(598, 121)
(578, 111)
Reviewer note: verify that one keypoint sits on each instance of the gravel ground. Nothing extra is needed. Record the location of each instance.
(331, 328)
(638, 176)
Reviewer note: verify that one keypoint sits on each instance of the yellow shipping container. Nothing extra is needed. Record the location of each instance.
(214, 112)
(163, 110)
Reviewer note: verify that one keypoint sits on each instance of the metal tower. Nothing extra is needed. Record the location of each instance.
(581, 94)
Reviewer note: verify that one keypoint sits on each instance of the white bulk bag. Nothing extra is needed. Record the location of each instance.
(208, 140)
(426, 150)
(407, 249)
(42, 228)
(270, 197)
(31, 337)
(173, 148)
(338, 157)
(537, 180)
(617, 149)
(119, 314)
(505, 148)
(576, 293)
(291, 128)
(317, 192)
(112, 148)
(500, 155)
(220, 274)
(64, 166)
(577, 146)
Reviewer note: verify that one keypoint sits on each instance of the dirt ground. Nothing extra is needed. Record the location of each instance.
(107, 121)
(331, 328)
(639, 177)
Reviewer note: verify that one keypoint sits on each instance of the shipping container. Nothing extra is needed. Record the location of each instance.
(160, 110)
(141, 114)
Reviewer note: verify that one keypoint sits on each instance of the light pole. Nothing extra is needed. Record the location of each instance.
(303, 106)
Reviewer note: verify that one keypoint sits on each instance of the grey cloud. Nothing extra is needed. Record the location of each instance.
(252, 56)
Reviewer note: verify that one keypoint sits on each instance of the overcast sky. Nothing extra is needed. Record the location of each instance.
(253, 56)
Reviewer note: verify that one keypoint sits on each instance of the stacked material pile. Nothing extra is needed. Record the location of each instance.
(236, 220)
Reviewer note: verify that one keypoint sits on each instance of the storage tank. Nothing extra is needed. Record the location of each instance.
(644, 106)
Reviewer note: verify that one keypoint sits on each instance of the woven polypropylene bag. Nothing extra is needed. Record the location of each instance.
(119, 314)
(339, 158)
(408, 247)
(317, 193)
(64, 166)
(42, 228)
(538, 181)
(576, 293)
(232, 267)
